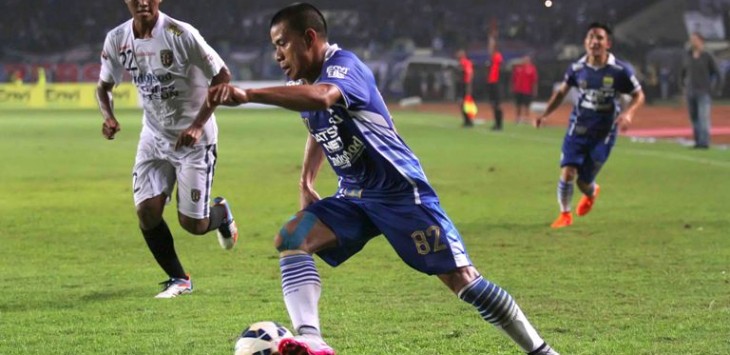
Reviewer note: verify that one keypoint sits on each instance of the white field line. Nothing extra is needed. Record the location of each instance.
(557, 142)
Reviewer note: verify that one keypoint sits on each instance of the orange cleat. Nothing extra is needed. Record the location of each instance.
(565, 219)
(586, 203)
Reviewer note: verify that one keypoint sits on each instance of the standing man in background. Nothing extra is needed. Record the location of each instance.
(524, 86)
(464, 86)
(699, 76)
(494, 65)
(172, 67)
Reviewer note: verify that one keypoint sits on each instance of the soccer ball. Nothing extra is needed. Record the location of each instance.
(261, 338)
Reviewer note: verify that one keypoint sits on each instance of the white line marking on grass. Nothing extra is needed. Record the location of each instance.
(550, 140)
(675, 156)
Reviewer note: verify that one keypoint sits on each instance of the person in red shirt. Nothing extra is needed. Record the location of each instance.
(494, 66)
(463, 87)
(524, 86)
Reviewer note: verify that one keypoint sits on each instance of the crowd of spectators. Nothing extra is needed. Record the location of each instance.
(73, 30)
(46, 26)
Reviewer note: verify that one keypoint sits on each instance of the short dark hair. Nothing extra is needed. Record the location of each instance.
(603, 26)
(699, 35)
(301, 16)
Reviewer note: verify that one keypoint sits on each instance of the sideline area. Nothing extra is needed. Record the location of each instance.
(661, 121)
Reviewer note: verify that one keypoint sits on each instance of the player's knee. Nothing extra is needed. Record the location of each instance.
(148, 217)
(150, 211)
(292, 234)
(568, 174)
(458, 278)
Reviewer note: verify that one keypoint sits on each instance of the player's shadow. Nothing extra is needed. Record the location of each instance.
(64, 303)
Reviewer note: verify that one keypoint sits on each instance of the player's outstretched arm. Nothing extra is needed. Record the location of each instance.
(227, 95)
(110, 127)
(555, 100)
(297, 98)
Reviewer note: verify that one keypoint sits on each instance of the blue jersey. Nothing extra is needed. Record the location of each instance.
(359, 140)
(599, 88)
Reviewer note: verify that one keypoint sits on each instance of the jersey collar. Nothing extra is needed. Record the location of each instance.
(329, 52)
(161, 19)
(331, 49)
(611, 61)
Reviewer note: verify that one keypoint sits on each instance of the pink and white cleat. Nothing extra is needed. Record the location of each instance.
(305, 345)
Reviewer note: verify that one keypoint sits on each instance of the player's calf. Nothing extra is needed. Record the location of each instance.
(227, 229)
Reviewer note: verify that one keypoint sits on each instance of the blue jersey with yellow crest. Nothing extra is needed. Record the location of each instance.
(359, 139)
(599, 89)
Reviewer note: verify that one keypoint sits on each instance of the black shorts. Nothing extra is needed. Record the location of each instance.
(460, 90)
(493, 93)
(523, 99)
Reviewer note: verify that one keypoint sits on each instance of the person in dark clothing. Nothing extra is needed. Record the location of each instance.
(700, 76)
(494, 66)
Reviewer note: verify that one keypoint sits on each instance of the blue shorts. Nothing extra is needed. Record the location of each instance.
(422, 235)
(587, 153)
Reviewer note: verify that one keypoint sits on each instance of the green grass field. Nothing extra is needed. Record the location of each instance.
(647, 272)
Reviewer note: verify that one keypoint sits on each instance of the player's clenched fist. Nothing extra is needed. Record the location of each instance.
(110, 127)
(226, 94)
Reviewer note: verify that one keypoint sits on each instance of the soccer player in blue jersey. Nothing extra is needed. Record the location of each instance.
(600, 79)
(382, 187)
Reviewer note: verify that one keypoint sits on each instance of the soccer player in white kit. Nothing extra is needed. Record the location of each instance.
(172, 67)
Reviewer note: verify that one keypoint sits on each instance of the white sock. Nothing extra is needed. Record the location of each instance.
(522, 332)
(496, 306)
(301, 286)
(565, 195)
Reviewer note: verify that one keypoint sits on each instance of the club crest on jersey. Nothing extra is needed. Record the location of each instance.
(174, 30)
(195, 195)
(166, 57)
(607, 81)
(337, 71)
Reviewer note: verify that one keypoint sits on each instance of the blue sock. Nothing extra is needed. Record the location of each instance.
(494, 304)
